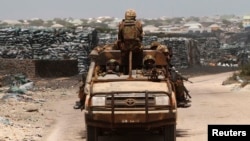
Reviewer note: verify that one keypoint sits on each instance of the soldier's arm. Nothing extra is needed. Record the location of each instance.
(184, 78)
(140, 29)
(120, 32)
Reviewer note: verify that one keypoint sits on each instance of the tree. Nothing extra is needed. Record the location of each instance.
(4, 24)
(37, 22)
(21, 21)
(177, 20)
(63, 22)
(226, 22)
(48, 23)
(194, 19)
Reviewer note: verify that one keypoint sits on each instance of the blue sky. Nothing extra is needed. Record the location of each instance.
(49, 9)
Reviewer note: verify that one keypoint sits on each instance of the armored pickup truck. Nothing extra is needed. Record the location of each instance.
(142, 99)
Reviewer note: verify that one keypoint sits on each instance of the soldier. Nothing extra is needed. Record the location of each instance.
(130, 35)
(175, 77)
(112, 67)
(180, 89)
(154, 45)
(112, 46)
(148, 62)
(163, 48)
(80, 104)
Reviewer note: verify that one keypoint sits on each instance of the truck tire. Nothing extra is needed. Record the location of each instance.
(169, 133)
(92, 133)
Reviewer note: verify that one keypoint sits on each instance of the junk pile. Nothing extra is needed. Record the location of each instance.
(214, 53)
(185, 51)
(206, 52)
(58, 44)
(19, 85)
(48, 44)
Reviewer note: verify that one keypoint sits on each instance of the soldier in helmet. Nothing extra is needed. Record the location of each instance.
(112, 67)
(163, 48)
(130, 31)
(148, 62)
(154, 45)
(180, 89)
(130, 35)
(175, 77)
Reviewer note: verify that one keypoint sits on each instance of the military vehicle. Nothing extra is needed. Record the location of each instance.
(141, 100)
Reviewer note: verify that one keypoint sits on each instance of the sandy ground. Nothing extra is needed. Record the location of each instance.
(44, 113)
(30, 116)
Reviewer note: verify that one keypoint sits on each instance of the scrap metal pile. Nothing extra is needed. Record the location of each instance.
(207, 51)
(215, 53)
(61, 44)
(47, 44)
(179, 47)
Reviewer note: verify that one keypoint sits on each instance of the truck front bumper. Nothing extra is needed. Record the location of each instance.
(128, 119)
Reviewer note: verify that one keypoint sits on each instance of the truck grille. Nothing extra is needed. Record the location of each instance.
(130, 102)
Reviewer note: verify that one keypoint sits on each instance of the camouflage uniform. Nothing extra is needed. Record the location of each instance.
(180, 89)
(130, 37)
(148, 62)
(81, 95)
(80, 104)
(175, 77)
(164, 49)
(112, 46)
(135, 35)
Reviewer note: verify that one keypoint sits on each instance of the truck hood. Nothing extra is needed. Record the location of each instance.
(130, 86)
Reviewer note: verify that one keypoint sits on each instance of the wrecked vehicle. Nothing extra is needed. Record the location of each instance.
(142, 100)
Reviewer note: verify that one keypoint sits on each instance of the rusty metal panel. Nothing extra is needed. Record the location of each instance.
(159, 56)
(108, 54)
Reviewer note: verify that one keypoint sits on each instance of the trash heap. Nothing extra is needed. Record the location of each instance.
(180, 49)
(48, 44)
(18, 85)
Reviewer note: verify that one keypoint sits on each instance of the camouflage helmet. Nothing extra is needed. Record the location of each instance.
(163, 48)
(112, 65)
(112, 62)
(130, 14)
(148, 59)
(154, 44)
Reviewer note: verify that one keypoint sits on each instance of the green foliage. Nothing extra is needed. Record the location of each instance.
(38, 22)
(49, 23)
(105, 30)
(233, 77)
(21, 21)
(231, 80)
(193, 19)
(4, 24)
(240, 25)
(226, 22)
(245, 70)
(177, 20)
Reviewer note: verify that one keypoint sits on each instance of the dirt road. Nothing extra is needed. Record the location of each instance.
(69, 124)
(212, 103)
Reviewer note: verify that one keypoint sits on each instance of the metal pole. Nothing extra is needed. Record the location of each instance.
(130, 65)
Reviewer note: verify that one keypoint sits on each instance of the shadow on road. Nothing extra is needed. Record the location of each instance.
(182, 133)
(140, 136)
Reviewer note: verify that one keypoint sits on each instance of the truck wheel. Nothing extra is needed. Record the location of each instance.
(92, 133)
(169, 133)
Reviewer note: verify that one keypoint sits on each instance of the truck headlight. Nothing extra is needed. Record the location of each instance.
(98, 101)
(161, 100)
